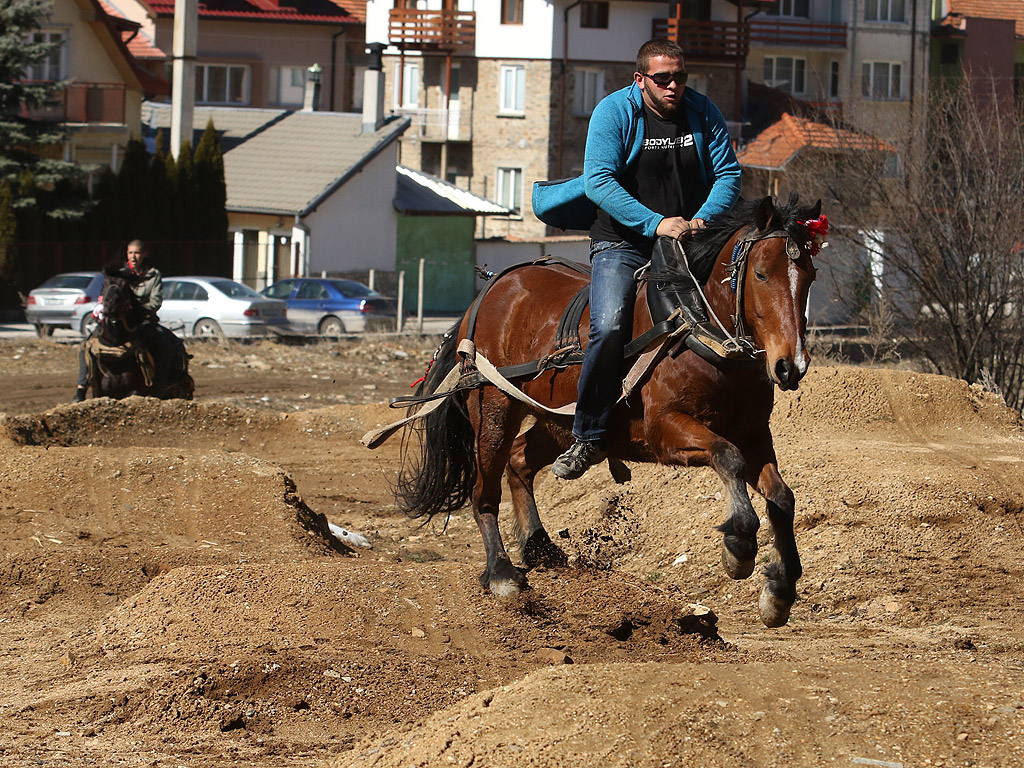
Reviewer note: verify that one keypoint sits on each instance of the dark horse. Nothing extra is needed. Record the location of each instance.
(685, 412)
(119, 362)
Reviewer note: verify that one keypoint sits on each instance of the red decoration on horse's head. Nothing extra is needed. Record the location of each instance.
(818, 229)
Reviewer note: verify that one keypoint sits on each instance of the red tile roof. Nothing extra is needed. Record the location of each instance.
(958, 10)
(305, 11)
(139, 43)
(781, 142)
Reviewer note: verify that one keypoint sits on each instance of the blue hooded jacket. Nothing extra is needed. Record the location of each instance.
(614, 139)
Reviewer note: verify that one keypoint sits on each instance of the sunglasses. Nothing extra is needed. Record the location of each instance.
(662, 79)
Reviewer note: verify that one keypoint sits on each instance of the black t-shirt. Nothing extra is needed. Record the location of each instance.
(665, 177)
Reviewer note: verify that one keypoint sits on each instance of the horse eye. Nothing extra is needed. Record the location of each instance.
(761, 276)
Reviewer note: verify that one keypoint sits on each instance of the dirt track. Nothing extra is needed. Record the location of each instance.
(172, 596)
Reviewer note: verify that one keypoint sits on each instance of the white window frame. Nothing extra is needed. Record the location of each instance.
(797, 89)
(787, 8)
(409, 98)
(203, 95)
(589, 90)
(894, 77)
(508, 188)
(55, 66)
(885, 10)
(512, 89)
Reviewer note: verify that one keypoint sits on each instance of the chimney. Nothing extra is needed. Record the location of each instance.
(373, 88)
(311, 96)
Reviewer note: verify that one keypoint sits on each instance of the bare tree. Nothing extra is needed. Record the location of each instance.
(934, 233)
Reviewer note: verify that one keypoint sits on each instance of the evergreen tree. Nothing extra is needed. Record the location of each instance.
(211, 190)
(30, 156)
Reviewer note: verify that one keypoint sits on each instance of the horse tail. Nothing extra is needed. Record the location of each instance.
(438, 466)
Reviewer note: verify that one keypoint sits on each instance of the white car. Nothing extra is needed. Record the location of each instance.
(65, 301)
(216, 307)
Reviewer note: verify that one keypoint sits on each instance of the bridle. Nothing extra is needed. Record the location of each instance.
(737, 270)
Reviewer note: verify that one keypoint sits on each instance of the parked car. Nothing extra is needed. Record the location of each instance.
(332, 307)
(65, 301)
(216, 307)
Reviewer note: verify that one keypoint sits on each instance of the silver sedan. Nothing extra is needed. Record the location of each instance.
(216, 307)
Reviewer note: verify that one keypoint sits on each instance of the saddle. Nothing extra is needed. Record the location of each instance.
(129, 350)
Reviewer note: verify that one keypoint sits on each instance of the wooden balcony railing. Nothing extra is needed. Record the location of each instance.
(707, 41)
(771, 32)
(83, 103)
(432, 30)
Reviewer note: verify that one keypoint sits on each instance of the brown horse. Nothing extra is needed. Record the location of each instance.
(685, 412)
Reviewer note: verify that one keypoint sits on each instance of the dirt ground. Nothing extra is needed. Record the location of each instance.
(172, 594)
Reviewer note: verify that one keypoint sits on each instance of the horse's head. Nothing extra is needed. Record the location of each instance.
(120, 309)
(775, 283)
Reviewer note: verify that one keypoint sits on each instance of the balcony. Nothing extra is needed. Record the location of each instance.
(82, 103)
(707, 41)
(445, 31)
(796, 33)
(440, 124)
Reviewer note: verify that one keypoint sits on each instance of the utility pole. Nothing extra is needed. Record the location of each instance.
(183, 76)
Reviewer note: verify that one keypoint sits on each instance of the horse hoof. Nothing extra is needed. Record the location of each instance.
(540, 550)
(505, 588)
(734, 567)
(774, 610)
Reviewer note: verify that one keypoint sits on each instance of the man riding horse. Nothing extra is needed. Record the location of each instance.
(146, 284)
(658, 162)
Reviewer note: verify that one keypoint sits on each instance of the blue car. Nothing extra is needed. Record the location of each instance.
(332, 307)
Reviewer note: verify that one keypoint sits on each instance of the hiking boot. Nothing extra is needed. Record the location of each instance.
(578, 459)
(79, 395)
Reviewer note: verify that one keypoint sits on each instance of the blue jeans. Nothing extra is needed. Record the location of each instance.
(612, 295)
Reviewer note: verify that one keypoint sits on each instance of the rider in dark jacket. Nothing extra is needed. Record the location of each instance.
(147, 284)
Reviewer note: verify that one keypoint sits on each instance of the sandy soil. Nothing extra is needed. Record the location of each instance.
(172, 594)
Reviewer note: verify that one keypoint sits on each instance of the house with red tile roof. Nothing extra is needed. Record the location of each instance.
(257, 53)
(100, 103)
(792, 141)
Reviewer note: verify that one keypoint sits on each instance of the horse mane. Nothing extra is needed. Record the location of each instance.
(706, 244)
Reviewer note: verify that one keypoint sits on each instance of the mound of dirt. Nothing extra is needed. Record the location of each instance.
(175, 596)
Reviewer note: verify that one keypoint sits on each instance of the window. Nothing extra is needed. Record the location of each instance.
(801, 8)
(589, 90)
(512, 90)
(511, 11)
(222, 84)
(882, 80)
(594, 15)
(833, 80)
(54, 65)
(311, 291)
(409, 82)
(885, 10)
(510, 188)
(785, 73)
(281, 290)
(287, 85)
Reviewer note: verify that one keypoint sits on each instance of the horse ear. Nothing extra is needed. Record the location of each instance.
(764, 214)
(815, 211)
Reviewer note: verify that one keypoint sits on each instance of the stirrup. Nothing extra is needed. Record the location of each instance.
(716, 348)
